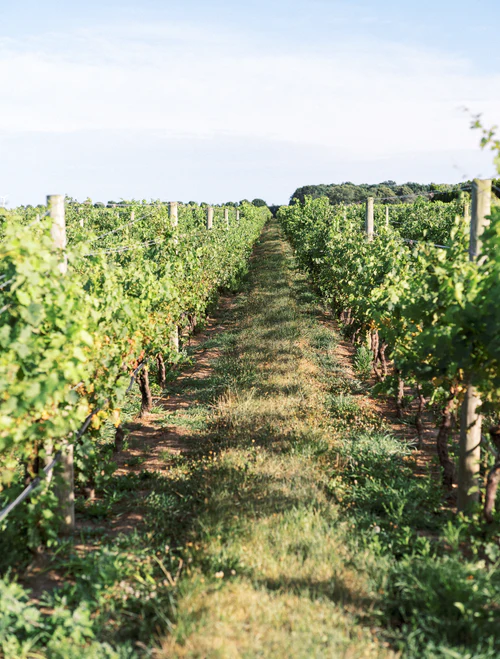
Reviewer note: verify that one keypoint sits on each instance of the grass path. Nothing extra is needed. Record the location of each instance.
(269, 573)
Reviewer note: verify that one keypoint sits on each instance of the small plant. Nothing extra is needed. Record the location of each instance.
(363, 361)
(135, 461)
(344, 405)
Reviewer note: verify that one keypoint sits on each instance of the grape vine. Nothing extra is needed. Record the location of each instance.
(433, 313)
(70, 343)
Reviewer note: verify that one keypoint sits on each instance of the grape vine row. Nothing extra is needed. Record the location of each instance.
(430, 316)
(70, 343)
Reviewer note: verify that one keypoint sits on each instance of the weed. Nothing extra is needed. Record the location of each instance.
(363, 361)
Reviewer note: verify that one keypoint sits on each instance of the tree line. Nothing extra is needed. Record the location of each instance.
(390, 191)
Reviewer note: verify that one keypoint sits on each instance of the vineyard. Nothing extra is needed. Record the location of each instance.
(431, 307)
(90, 298)
(214, 429)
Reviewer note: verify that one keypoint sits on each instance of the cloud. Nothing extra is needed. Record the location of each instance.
(362, 99)
(115, 111)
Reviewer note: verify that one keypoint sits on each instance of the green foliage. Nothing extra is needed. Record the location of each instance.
(437, 311)
(69, 343)
(439, 579)
(65, 634)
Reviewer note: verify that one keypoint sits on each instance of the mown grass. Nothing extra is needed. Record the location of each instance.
(296, 529)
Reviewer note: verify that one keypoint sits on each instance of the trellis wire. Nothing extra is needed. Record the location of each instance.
(124, 248)
(120, 228)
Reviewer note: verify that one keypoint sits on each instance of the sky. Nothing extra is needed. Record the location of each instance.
(219, 101)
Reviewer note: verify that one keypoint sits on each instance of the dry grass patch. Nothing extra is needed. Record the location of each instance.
(246, 622)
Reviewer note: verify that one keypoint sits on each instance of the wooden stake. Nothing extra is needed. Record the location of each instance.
(226, 217)
(55, 204)
(174, 339)
(210, 218)
(369, 219)
(173, 212)
(65, 491)
(387, 216)
(237, 215)
(470, 450)
(126, 233)
(470, 426)
(481, 207)
(467, 212)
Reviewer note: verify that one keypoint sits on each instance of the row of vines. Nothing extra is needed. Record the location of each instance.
(70, 342)
(430, 316)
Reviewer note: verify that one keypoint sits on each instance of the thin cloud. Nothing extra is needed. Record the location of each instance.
(383, 98)
(360, 100)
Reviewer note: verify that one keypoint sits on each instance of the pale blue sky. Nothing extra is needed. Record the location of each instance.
(218, 101)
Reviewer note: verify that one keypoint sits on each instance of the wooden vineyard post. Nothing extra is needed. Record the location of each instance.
(173, 213)
(210, 218)
(237, 215)
(387, 216)
(481, 208)
(81, 221)
(127, 228)
(226, 217)
(470, 425)
(55, 204)
(174, 339)
(65, 492)
(369, 219)
(467, 212)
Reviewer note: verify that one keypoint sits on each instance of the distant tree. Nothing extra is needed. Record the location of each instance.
(406, 192)
(386, 193)
(389, 191)
(99, 204)
(259, 202)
